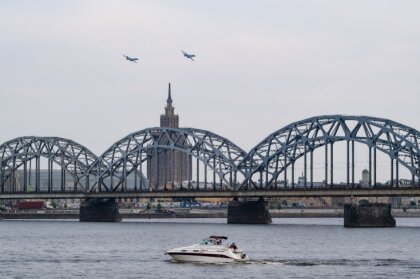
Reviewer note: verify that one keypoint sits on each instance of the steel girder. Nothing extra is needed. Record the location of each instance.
(74, 158)
(282, 148)
(260, 168)
(125, 156)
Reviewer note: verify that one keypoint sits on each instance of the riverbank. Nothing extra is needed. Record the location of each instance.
(197, 213)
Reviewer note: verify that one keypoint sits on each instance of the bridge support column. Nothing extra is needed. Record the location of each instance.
(248, 212)
(368, 215)
(99, 210)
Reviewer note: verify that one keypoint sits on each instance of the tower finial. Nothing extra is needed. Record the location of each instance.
(169, 119)
(169, 95)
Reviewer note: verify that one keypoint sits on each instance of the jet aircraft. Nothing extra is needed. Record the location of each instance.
(132, 59)
(189, 56)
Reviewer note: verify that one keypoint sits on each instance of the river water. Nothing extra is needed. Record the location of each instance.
(288, 248)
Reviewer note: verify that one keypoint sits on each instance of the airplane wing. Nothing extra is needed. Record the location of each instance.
(192, 59)
(183, 52)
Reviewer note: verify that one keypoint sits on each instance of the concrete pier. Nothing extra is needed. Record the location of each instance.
(248, 212)
(368, 215)
(99, 210)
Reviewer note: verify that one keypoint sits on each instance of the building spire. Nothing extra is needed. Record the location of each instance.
(169, 100)
(169, 119)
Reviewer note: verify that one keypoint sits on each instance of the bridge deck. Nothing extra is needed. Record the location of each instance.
(372, 192)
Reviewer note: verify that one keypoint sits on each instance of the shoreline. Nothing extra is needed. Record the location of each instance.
(198, 213)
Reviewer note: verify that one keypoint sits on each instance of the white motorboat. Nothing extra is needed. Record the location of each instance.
(209, 250)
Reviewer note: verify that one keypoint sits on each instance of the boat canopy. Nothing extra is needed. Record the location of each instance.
(218, 237)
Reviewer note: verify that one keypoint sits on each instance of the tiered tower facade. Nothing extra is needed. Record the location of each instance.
(167, 169)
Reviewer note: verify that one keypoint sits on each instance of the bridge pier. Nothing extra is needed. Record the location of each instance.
(248, 212)
(99, 210)
(368, 215)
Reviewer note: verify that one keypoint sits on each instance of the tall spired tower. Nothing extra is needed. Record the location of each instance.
(169, 119)
(167, 169)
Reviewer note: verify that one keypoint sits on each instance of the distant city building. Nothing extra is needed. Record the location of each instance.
(69, 182)
(302, 180)
(365, 178)
(303, 183)
(168, 168)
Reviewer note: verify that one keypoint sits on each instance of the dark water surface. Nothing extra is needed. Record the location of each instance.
(289, 248)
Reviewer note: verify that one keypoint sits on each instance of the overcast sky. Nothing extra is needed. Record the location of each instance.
(260, 65)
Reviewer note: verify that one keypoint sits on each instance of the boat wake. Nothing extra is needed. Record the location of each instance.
(336, 262)
(317, 262)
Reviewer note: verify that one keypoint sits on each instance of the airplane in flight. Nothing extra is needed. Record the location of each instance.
(132, 59)
(189, 56)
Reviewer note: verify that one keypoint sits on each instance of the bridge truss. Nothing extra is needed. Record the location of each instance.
(21, 170)
(271, 158)
(216, 156)
(214, 163)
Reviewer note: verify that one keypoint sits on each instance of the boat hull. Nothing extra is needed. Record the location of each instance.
(182, 257)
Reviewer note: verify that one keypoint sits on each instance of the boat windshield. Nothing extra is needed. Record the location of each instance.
(211, 241)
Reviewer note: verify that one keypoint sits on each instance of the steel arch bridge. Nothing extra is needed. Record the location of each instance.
(220, 166)
(126, 156)
(265, 162)
(71, 157)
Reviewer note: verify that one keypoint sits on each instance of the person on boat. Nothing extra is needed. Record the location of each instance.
(233, 246)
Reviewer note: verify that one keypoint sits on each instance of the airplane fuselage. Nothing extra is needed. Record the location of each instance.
(131, 59)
